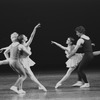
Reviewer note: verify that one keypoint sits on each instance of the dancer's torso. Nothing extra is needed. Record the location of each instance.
(87, 48)
(14, 51)
(69, 49)
(23, 54)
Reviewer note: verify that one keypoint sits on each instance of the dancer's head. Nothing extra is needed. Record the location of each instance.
(70, 40)
(22, 38)
(14, 36)
(80, 30)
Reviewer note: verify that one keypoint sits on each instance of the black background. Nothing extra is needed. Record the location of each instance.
(58, 20)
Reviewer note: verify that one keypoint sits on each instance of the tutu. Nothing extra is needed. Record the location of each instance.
(27, 62)
(74, 60)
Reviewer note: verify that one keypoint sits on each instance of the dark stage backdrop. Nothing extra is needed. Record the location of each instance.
(58, 20)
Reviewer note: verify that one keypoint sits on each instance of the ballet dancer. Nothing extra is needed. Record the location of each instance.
(85, 41)
(13, 38)
(73, 62)
(25, 59)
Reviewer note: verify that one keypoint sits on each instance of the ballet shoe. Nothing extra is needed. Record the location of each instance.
(42, 88)
(14, 88)
(57, 85)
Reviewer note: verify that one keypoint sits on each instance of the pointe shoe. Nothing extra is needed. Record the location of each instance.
(14, 88)
(22, 91)
(85, 85)
(42, 88)
(57, 85)
(78, 83)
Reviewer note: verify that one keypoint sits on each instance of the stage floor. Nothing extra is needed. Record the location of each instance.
(65, 92)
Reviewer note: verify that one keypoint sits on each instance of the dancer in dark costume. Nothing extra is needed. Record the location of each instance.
(85, 41)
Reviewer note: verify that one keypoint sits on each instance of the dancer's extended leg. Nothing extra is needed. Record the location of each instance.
(34, 79)
(70, 70)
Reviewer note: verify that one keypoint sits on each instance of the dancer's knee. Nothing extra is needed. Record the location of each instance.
(24, 76)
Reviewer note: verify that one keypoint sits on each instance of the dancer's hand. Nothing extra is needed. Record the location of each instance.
(93, 44)
(52, 42)
(1, 50)
(69, 55)
(38, 25)
(8, 59)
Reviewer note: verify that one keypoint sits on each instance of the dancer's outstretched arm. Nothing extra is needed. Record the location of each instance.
(59, 45)
(65, 77)
(3, 49)
(32, 35)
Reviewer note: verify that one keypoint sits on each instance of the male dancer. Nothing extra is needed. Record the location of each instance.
(88, 56)
(14, 61)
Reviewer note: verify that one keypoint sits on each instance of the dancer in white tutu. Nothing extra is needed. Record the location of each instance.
(73, 62)
(25, 59)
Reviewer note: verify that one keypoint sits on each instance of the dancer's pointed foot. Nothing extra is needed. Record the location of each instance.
(57, 85)
(14, 88)
(42, 88)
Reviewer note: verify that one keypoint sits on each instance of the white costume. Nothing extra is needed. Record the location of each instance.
(74, 60)
(25, 59)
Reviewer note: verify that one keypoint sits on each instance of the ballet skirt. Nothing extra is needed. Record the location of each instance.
(74, 60)
(27, 62)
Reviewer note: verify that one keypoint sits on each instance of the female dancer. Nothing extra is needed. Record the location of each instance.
(73, 61)
(26, 61)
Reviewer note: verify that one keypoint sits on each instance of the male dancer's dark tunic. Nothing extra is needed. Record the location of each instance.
(88, 56)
